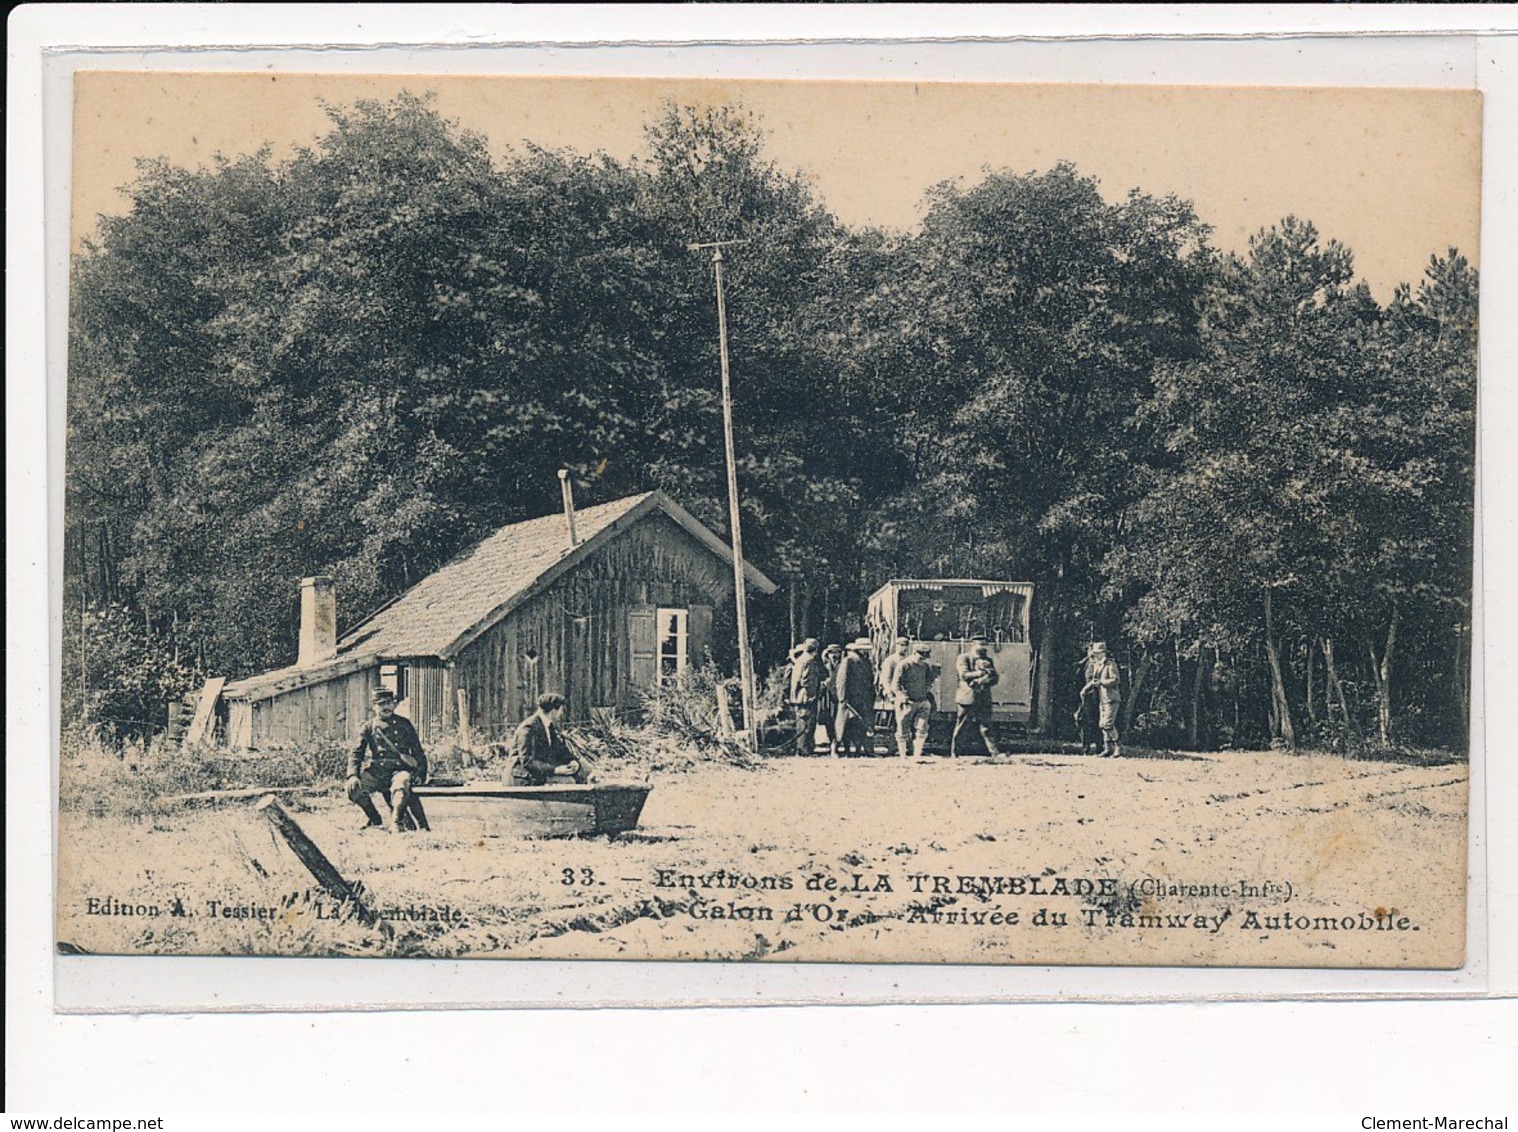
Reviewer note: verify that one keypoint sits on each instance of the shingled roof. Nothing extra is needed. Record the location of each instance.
(446, 611)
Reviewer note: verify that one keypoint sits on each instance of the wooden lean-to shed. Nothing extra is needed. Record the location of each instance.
(599, 618)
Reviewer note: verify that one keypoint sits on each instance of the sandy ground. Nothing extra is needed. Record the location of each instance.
(1235, 858)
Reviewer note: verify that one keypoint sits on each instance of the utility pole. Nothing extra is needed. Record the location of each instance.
(740, 588)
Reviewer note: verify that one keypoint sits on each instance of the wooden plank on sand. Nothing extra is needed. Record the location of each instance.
(216, 797)
(312, 857)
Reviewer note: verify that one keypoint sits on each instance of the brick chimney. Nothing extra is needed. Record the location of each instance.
(318, 621)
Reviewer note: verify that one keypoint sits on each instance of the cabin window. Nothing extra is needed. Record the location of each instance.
(674, 641)
(393, 676)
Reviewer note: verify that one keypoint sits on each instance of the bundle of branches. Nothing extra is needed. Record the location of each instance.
(679, 729)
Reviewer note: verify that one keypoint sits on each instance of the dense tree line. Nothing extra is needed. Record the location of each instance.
(363, 358)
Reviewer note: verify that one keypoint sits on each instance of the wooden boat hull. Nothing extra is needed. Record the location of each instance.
(571, 810)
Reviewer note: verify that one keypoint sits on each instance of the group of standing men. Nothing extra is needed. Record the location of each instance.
(837, 687)
(837, 693)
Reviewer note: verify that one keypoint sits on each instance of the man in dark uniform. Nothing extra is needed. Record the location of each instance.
(806, 689)
(855, 685)
(977, 676)
(541, 755)
(387, 760)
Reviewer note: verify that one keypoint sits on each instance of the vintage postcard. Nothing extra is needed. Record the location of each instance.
(867, 522)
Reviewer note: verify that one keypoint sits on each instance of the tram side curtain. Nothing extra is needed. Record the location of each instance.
(643, 647)
(699, 635)
(1007, 617)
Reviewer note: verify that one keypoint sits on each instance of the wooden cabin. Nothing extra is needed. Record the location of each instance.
(599, 617)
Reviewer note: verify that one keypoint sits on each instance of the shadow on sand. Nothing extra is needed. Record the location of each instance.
(1409, 756)
(1022, 747)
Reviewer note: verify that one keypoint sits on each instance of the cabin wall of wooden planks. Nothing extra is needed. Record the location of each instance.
(573, 637)
(333, 709)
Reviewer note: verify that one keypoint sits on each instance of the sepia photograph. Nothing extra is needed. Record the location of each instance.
(800, 521)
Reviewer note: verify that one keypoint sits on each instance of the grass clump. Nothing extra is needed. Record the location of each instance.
(132, 778)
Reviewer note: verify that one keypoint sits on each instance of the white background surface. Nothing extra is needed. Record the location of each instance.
(1379, 1057)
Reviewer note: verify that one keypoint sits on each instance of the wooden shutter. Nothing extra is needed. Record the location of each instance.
(642, 646)
(698, 634)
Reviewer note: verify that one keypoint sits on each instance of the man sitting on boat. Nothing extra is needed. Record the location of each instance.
(387, 760)
(540, 755)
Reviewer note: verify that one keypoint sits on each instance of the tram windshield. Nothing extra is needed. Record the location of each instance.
(950, 613)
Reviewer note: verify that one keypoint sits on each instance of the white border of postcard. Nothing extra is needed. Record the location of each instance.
(103, 983)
